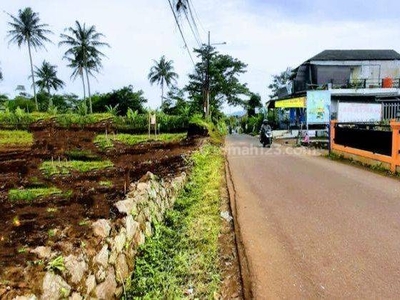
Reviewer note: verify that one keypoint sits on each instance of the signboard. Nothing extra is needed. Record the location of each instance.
(153, 119)
(359, 112)
(291, 103)
(318, 107)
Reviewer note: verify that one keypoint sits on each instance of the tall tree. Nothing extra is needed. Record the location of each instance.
(163, 73)
(278, 81)
(47, 79)
(224, 72)
(26, 29)
(253, 103)
(76, 63)
(77, 70)
(84, 43)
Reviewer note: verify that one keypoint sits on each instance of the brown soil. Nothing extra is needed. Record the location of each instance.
(28, 225)
(231, 287)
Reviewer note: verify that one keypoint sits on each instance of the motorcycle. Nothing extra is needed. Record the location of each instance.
(266, 138)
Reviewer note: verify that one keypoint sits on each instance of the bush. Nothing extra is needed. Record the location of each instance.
(216, 132)
(252, 124)
(133, 123)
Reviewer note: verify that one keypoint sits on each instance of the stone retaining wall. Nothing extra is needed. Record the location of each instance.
(100, 274)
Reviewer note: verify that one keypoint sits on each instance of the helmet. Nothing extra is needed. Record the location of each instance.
(265, 121)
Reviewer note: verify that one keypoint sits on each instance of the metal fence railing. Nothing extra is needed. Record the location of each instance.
(391, 110)
(379, 143)
(368, 137)
(301, 86)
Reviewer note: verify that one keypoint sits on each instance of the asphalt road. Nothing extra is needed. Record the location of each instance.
(314, 228)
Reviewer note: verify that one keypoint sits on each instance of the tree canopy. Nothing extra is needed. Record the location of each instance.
(121, 99)
(224, 72)
(26, 29)
(163, 73)
(47, 79)
(84, 53)
(279, 81)
(175, 103)
(253, 103)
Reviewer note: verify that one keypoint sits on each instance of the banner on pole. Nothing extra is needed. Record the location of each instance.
(153, 119)
(318, 107)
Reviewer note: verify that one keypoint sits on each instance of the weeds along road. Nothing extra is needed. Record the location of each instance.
(311, 227)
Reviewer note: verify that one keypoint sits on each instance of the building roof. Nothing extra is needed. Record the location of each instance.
(356, 55)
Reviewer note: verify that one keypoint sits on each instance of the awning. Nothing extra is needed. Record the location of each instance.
(299, 102)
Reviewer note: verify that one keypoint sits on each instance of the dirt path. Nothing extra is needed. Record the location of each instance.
(313, 228)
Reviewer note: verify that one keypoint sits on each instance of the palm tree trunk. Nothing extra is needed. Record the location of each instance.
(162, 93)
(50, 98)
(33, 77)
(88, 84)
(83, 84)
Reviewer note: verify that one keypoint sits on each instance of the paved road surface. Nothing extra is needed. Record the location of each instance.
(314, 228)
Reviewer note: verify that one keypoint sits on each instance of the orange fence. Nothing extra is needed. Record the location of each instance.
(393, 161)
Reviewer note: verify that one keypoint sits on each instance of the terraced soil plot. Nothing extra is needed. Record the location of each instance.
(54, 181)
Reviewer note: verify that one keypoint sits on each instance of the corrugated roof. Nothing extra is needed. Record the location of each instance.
(356, 55)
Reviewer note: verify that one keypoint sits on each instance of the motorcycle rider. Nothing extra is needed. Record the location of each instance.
(265, 128)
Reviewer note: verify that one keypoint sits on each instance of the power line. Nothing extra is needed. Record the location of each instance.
(195, 13)
(189, 4)
(186, 6)
(196, 37)
(180, 30)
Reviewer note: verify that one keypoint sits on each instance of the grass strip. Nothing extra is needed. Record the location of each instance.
(16, 138)
(28, 195)
(50, 168)
(107, 141)
(83, 155)
(181, 259)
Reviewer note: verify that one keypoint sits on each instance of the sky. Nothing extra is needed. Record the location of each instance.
(267, 35)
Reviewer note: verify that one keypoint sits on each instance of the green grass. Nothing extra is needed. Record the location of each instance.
(22, 250)
(28, 195)
(85, 155)
(50, 168)
(183, 252)
(105, 142)
(68, 119)
(377, 167)
(51, 233)
(57, 264)
(106, 183)
(16, 138)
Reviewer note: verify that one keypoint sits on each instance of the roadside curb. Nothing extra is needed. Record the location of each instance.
(240, 249)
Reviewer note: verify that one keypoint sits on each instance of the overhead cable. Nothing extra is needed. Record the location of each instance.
(180, 30)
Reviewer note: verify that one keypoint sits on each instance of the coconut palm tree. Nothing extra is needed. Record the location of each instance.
(26, 29)
(47, 79)
(75, 62)
(84, 43)
(163, 73)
